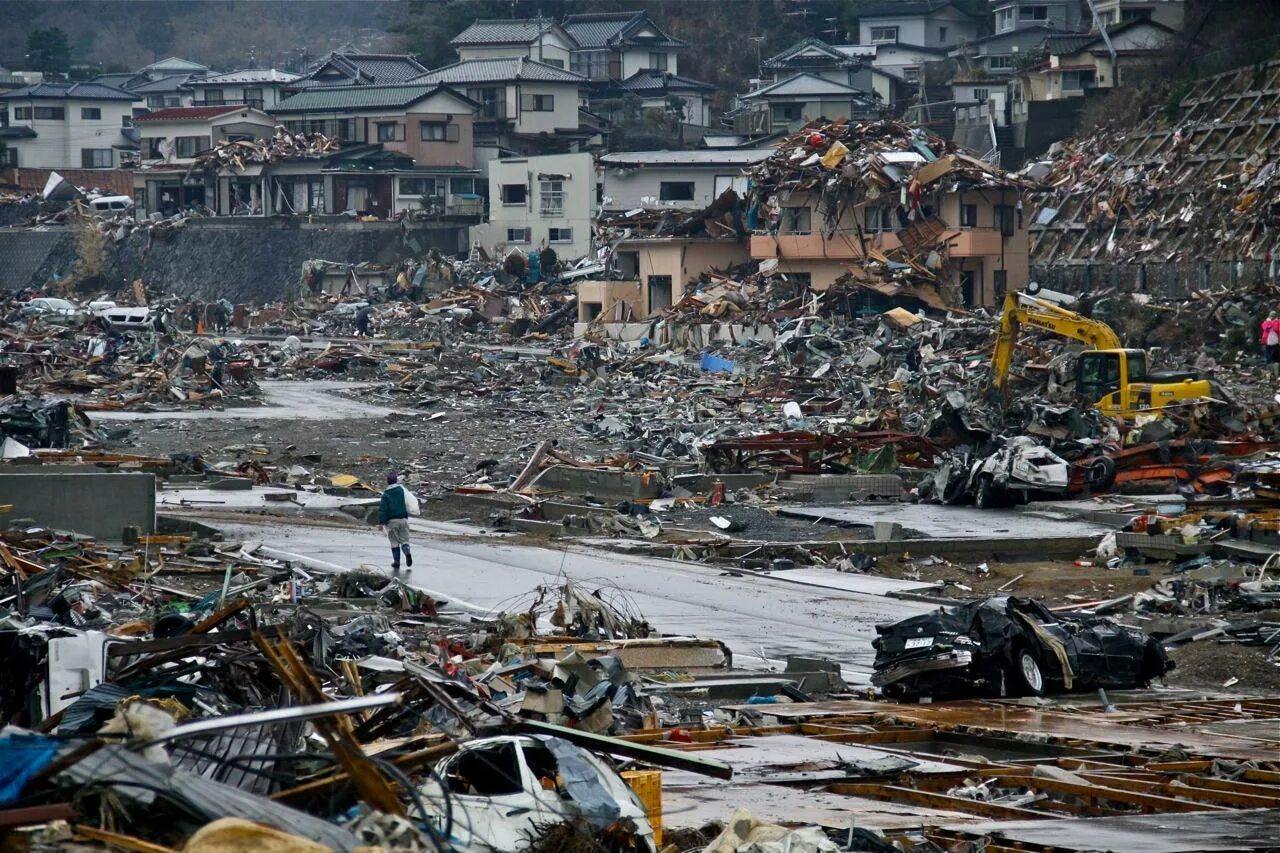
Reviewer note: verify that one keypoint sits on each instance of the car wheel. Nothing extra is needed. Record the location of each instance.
(1101, 473)
(1026, 670)
(985, 496)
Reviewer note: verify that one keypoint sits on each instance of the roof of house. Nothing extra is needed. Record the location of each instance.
(363, 97)
(118, 80)
(1012, 35)
(171, 83)
(649, 80)
(188, 113)
(616, 29)
(905, 8)
(499, 71)
(1095, 39)
(802, 85)
(363, 69)
(810, 45)
(698, 157)
(247, 75)
(518, 31)
(1060, 44)
(82, 91)
(175, 64)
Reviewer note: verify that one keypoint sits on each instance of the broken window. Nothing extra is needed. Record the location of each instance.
(877, 218)
(515, 194)
(659, 292)
(968, 216)
(551, 198)
(796, 220)
(485, 772)
(1004, 219)
(675, 191)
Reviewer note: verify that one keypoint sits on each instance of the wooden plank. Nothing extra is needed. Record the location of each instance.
(1092, 793)
(897, 794)
(119, 841)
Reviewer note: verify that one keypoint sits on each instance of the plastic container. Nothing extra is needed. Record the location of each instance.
(648, 787)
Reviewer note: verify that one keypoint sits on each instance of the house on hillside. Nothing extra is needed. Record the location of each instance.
(539, 39)
(260, 88)
(681, 180)
(936, 24)
(1168, 13)
(359, 69)
(791, 103)
(67, 126)
(408, 147)
(523, 106)
(615, 45)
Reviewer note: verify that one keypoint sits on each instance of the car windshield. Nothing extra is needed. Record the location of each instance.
(56, 304)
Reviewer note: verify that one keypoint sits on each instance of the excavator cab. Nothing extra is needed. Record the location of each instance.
(1117, 382)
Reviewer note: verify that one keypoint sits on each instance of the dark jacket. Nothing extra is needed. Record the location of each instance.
(392, 505)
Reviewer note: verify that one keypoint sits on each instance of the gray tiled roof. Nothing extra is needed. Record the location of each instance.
(649, 80)
(895, 8)
(803, 85)
(363, 69)
(1068, 44)
(245, 75)
(359, 97)
(614, 29)
(499, 71)
(86, 91)
(520, 31)
(165, 84)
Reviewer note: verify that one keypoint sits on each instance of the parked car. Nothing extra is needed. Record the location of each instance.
(1010, 647)
(501, 788)
(50, 309)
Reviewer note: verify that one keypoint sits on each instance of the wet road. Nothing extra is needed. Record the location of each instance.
(758, 618)
(310, 400)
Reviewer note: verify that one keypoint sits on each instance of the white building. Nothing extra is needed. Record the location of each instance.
(67, 126)
(684, 180)
(259, 88)
(539, 39)
(537, 202)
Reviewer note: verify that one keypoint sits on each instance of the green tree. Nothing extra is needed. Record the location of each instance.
(49, 51)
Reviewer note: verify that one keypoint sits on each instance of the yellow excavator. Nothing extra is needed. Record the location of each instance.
(1110, 377)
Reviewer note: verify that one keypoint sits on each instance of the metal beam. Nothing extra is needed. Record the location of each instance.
(612, 745)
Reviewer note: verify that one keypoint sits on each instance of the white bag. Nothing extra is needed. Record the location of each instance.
(1272, 338)
(411, 502)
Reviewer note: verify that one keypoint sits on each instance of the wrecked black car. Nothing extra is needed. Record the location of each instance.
(1010, 647)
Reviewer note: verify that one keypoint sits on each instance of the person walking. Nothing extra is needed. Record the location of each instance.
(393, 516)
(1271, 342)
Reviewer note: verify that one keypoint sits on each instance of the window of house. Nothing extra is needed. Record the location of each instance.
(1033, 13)
(492, 102)
(190, 146)
(595, 64)
(558, 63)
(537, 103)
(560, 235)
(877, 218)
(942, 34)
(22, 113)
(786, 112)
(658, 61)
(518, 235)
(390, 131)
(968, 216)
(551, 198)
(126, 121)
(9, 157)
(462, 186)
(253, 98)
(796, 220)
(882, 34)
(418, 186)
(515, 194)
(911, 73)
(675, 191)
(155, 102)
(981, 95)
(51, 113)
(214, 97)
(91, 113)
(1000, 282)
(439, 131)
(95, 158)
(1077, 80)
(1000, 62)
(1005, 20)
(1003, 219)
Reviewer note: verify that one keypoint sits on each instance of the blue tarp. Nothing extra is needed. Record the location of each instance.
(21, 757)
(716, 364)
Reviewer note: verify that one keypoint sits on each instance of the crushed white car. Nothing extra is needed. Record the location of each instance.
(1018, 469)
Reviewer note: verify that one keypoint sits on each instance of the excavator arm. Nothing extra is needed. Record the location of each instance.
(1022, 310)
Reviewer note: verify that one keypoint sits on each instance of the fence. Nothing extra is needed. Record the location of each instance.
(1170, 280)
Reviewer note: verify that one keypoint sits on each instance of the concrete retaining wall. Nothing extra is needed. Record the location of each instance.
(97, 504)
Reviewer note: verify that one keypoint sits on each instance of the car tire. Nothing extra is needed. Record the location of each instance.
(1026, 672)
(984, 497)
(1101, 473)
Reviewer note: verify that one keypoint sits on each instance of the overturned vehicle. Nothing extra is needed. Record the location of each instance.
(1016, 471)
(1010, 647)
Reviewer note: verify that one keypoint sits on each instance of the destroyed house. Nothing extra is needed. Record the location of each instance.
(359, 69)
(520, 103)
(172, 139)
(892, 199)
(674, 180)
(538, 39)
(67, 126)
(260, 88)
(428, 127)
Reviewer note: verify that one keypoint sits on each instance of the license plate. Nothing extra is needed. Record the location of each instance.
(919, 643)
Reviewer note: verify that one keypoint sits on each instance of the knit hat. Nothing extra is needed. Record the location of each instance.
(391, 477)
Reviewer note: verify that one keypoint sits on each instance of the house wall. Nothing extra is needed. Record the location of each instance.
(550, 49)
(924, 29)
(1061, 15)
(426, 152)
(638, 60)
(618, 301)
(626, 188)
(1167, 12)
(892, 59)
(233, 93)
(563, 115)
(60, 141)
(683, 261)
(577, 213)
